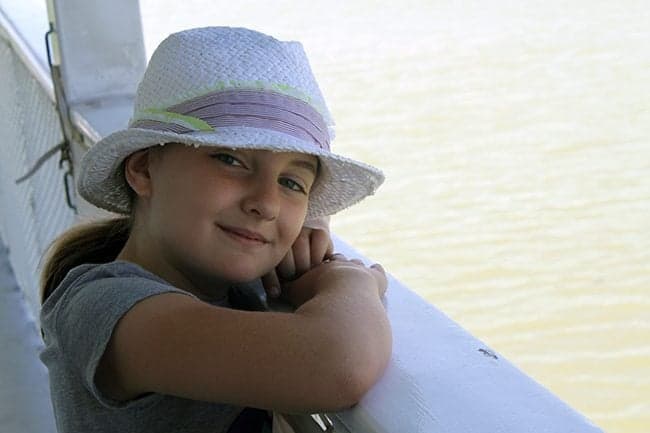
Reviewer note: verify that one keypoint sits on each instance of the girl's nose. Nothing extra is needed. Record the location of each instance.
(262, 200)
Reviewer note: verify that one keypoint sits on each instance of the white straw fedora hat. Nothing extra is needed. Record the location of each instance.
(233, 88)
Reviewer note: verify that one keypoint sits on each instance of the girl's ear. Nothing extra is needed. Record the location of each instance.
(136, 172)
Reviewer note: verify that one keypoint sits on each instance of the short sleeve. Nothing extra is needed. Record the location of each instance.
(87, 315)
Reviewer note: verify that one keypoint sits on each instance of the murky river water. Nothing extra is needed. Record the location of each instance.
(515, 137)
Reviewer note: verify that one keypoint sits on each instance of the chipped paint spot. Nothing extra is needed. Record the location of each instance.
(488, 352)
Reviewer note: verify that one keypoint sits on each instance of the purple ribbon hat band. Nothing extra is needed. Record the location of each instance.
(252, 108)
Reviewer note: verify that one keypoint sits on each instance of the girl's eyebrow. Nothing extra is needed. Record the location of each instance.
(306, 165)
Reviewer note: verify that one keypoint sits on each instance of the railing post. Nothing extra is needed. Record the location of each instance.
(98, 48)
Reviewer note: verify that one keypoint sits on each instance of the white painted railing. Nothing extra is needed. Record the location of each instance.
(440, 379)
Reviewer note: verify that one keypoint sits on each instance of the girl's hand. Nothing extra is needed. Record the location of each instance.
(336, 273)
(311, 248)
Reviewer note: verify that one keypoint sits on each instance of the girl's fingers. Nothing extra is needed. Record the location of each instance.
(320, 223)
(380, 277)
(308, 250)
(301, 253)
(336, 256)
(287, 267)
(321, 246)
(271, 284)
(330, 248)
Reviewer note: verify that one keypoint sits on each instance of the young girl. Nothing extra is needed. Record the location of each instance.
(226, 155)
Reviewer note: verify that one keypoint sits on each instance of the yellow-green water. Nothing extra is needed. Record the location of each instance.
(515, 137)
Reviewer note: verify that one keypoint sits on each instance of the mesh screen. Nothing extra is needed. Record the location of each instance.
(33, 212)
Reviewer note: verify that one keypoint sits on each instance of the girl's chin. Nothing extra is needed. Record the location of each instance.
(239, 271)
(244, 276)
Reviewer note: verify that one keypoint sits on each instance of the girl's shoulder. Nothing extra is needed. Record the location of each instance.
(116, 272)
(113, 285)
(115, 269)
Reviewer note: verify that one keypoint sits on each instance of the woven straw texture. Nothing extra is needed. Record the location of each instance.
(196, 62)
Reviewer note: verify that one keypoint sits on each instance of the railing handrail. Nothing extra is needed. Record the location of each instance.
(440, 377)
(36, 64)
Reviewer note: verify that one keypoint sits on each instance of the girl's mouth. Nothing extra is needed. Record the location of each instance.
(244, 234)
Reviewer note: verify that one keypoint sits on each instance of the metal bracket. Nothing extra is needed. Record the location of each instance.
(315, 423)
(67, 128)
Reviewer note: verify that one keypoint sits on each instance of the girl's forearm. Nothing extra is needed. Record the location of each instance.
(351, 326)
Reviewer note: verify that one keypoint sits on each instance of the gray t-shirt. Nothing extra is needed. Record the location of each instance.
(77, 320)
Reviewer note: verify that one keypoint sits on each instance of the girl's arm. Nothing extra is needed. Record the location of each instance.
(322, 357)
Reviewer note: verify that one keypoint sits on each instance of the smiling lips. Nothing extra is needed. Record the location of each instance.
(245, 235)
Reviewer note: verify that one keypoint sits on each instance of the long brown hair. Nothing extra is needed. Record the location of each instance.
(94, 242)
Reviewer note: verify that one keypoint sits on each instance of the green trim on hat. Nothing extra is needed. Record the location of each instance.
(159, 115)
(224, 86)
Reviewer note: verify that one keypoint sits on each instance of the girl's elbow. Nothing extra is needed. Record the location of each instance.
(360, 376)
(354, 388)
(354, 365)
(354, 383)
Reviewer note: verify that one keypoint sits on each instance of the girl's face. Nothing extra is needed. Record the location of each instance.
(216, 216)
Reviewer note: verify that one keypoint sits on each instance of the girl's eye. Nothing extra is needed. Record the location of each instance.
(292, 185)
(227, 159)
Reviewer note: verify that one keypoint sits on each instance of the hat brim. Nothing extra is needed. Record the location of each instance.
(341, 181)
